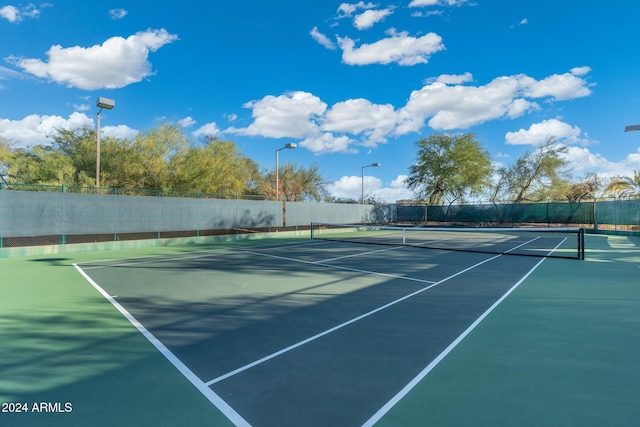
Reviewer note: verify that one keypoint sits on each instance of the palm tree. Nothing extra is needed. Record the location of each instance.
(626, 186)
(297, 183)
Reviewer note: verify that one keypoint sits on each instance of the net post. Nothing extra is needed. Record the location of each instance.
(581, 234)
(311, 230)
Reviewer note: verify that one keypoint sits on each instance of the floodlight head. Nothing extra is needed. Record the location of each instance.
(375, 165)
(291, 145)
(632, 128)
(105, 103)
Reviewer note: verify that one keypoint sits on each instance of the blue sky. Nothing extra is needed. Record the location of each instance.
(350, 83)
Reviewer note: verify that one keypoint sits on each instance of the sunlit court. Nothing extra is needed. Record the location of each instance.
(301, 331)
(306, 333)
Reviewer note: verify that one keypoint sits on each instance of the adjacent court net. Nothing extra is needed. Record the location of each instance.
(540, 242)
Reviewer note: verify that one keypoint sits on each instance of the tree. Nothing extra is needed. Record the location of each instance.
(626, 186)
(6, 158)
(536, 176)
(216, 167)
(449, 168)
(36, 165)
(79, 146)
(592, 186)
(296, 183)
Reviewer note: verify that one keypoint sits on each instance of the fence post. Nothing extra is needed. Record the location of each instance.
(284, 213)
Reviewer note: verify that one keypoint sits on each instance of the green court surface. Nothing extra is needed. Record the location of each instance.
(297, 332)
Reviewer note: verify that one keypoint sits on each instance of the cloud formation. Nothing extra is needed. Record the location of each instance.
(322, 39)
(400, 48)
(36, 129)
(539, 133)
(369, 18)
(117, 13)
(15, 14)
(116, 63)
(447, 102)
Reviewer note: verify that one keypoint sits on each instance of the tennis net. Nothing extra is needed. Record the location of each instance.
(540, 242)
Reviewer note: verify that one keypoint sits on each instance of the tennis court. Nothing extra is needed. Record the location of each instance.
(307, 332)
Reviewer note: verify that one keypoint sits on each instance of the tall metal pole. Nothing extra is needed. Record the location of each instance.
(98, 151)
(362, 181)
(375, 165)
(101, 104)
(277, 177)
(289, 146)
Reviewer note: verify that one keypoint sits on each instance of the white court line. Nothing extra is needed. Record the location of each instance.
(342, 325)
(402, 393)
(223, 406)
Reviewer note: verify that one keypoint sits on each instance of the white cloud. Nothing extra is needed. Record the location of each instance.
(558, 86)
(10, 13)
(350, 187)
(35, 129)
(81, 107)
(356, 116)
(581, 160)
(322, 39)
(455, 79)
(292, 115)
(117, 13)
(457, 106)
(398, 48)
(186, 122)
(119, 131)
(347, 9)
(14, 14)
(444, 104)
(539, 133)
(210, 129)
(327, 142)
(524, 21)
(370, 17)
(116, 63)
(424, 3)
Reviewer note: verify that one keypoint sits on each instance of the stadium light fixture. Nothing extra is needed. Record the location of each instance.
(288, 146)
(632, 128)
(373, 165)
(102, 104)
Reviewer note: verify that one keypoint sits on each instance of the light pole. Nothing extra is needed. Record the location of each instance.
(103, 103)
(375, 165)
(289, 146)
